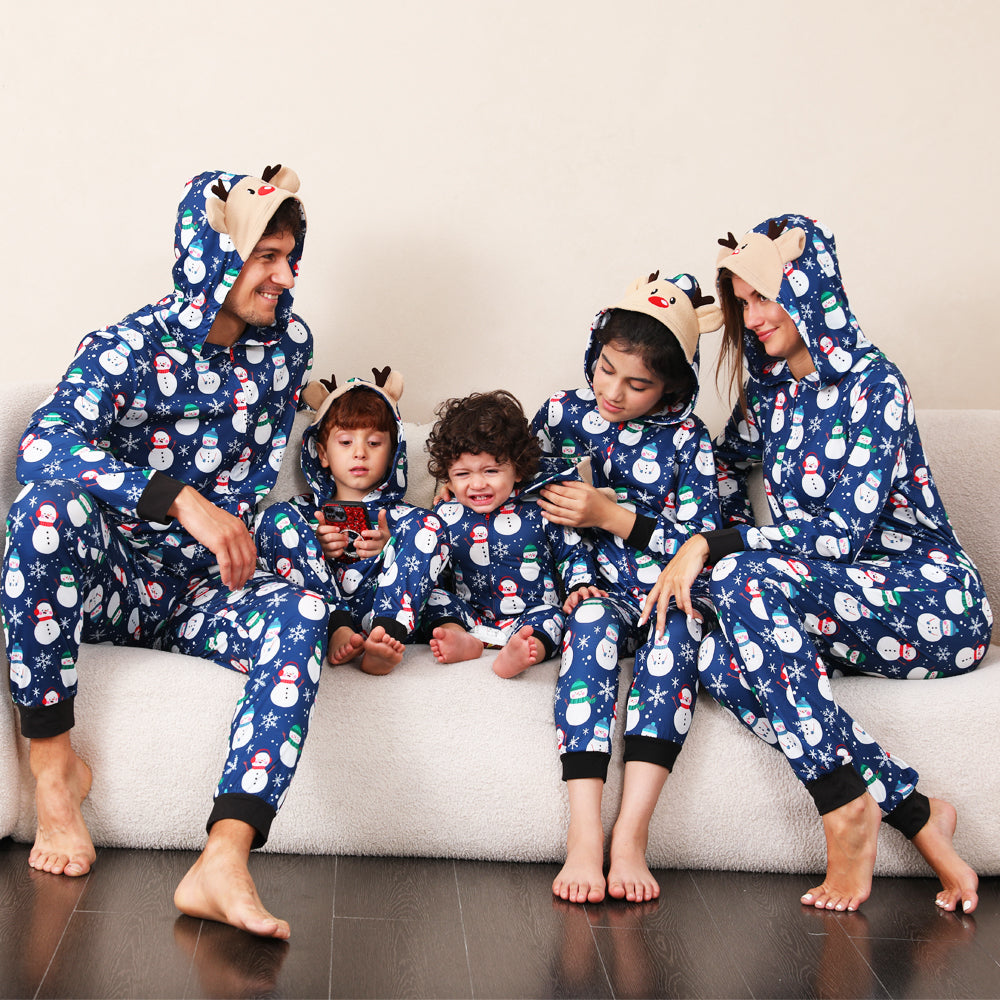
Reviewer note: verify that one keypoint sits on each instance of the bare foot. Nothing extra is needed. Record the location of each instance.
(629, 876)
(382, 652)
(523, 650)
(960, 884)
(345, 645)
(581, 879)
(62, 781)
(452, 644)
(218, 887)
(851, 842)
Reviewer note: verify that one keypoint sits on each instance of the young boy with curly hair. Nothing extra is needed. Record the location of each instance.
(504, 557)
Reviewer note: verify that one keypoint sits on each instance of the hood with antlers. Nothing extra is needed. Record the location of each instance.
(320, 394)
(793, 260)
(677, 303)
(213, 237)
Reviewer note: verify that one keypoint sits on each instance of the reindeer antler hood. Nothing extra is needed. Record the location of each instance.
(793, 260)
(212, 239)
(320, 395)
(679, 305)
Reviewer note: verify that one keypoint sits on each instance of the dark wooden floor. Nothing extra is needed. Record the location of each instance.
(390, 927)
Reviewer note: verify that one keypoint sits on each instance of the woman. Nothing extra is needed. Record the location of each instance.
(860, 570)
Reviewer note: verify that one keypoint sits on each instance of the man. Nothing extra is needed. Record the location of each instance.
(142, 473)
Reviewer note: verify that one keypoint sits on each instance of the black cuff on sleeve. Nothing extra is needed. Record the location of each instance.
(651, 750)
(836, 788)
(585, 764)
(642, 532)
(42, 721)
(722, 543)
(911, 815)
(160, 492)
(248, 809)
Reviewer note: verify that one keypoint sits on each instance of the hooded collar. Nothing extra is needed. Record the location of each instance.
(212, 239)
(793, 260)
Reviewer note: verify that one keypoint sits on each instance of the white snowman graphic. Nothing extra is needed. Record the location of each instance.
(244, 731)
(262, 430)
(68, 593)
(87, 405)
(750, 653)
(601, 741)
(836, 446)
(876, 788)
(136, 413)
(787, 638)
(208, 381)
(227, 282)
(165, 377)
(606, 653)
(191, 315)
(812, 481)
(272, 642)
(823, 257)
(292, 747)
(506, 520)
(256, 778)
(528, 565)
(241, 469)
(479, 552)
(633, 708)
(798, 279)
(797, 430)
(194, 267)
(115, 359)
(19, 672)
(682, 717)
(13, 582)
(866, 496)
(208, 457)
(646, 469)
(161, 456)
(827, 397)
(45, 537)
(510, 603)
(578, 709)
(759, 725)
(280, 376)
(790, 744)
(47, 628)
(286, 691)
(811, 730)
(630, 434)
(594, 423)
(427, 535)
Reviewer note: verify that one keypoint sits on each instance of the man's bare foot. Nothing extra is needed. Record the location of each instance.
(451, 644)
(345, 645)
(629, 876)
(382, 652)
(851, 843)
(523, 650)
(960, 884)
(581, 879)
(218, 885)
(62, 781)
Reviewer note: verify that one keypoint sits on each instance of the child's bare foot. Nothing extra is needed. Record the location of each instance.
(960, 884)
(382, 652)
(62, 781)
(451, 644)
(523, 650)
(218, 887)
(345, 645)
(581, 879)
(851, 842)
(629, 876)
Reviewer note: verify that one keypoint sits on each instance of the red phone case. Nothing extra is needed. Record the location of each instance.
(349, 517)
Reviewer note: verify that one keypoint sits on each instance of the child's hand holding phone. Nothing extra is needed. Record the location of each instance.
(345, 532)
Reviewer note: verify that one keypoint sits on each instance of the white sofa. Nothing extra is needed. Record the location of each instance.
(452, 761)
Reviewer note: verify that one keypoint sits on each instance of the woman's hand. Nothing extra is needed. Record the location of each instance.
(675, 582)
(441, 495)
(373, 540)
(576, 505)
(580, 595)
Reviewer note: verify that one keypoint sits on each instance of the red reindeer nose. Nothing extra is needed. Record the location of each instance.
(265, 189)
(659, 300)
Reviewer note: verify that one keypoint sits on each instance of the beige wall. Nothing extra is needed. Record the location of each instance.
(482, 177)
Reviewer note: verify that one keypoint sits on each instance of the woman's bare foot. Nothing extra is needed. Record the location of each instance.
(345, 645)
(451, 644)
(629, 876)
(523, 650)
(218, 885)
(62, 781)
(851, 843)
(960, 884)
(382, 652)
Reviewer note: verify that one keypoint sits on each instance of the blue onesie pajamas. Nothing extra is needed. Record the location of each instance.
(860, 571)
(388, 589)
(147, 406)
(661, 467)
(506, 570)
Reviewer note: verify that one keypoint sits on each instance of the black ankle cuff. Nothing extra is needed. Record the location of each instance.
(248, 809)
(910, 816)
(43, 721)
(836, 788)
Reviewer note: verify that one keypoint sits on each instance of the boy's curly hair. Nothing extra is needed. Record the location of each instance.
(485, 422)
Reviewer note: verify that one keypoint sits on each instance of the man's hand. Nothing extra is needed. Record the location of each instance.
(580, 595)
(223, 534)
(675, 581)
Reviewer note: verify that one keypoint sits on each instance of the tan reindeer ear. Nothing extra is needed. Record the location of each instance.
(390, 382)
(791, 244)
(314, 394)
(709, 318)
(282, 177)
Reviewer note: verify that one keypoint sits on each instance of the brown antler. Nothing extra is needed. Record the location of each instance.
(697, 299)
(775, 229)
(220, 190)
(381, 377)
(330, 383)
(732, 242)
(652, 277)
(270, 172)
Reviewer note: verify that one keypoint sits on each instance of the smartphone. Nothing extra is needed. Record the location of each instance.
(349, 517)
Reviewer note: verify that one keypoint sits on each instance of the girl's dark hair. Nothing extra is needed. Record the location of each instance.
(491, 423)
(357, 409)
(731, 354)
(637, 333)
